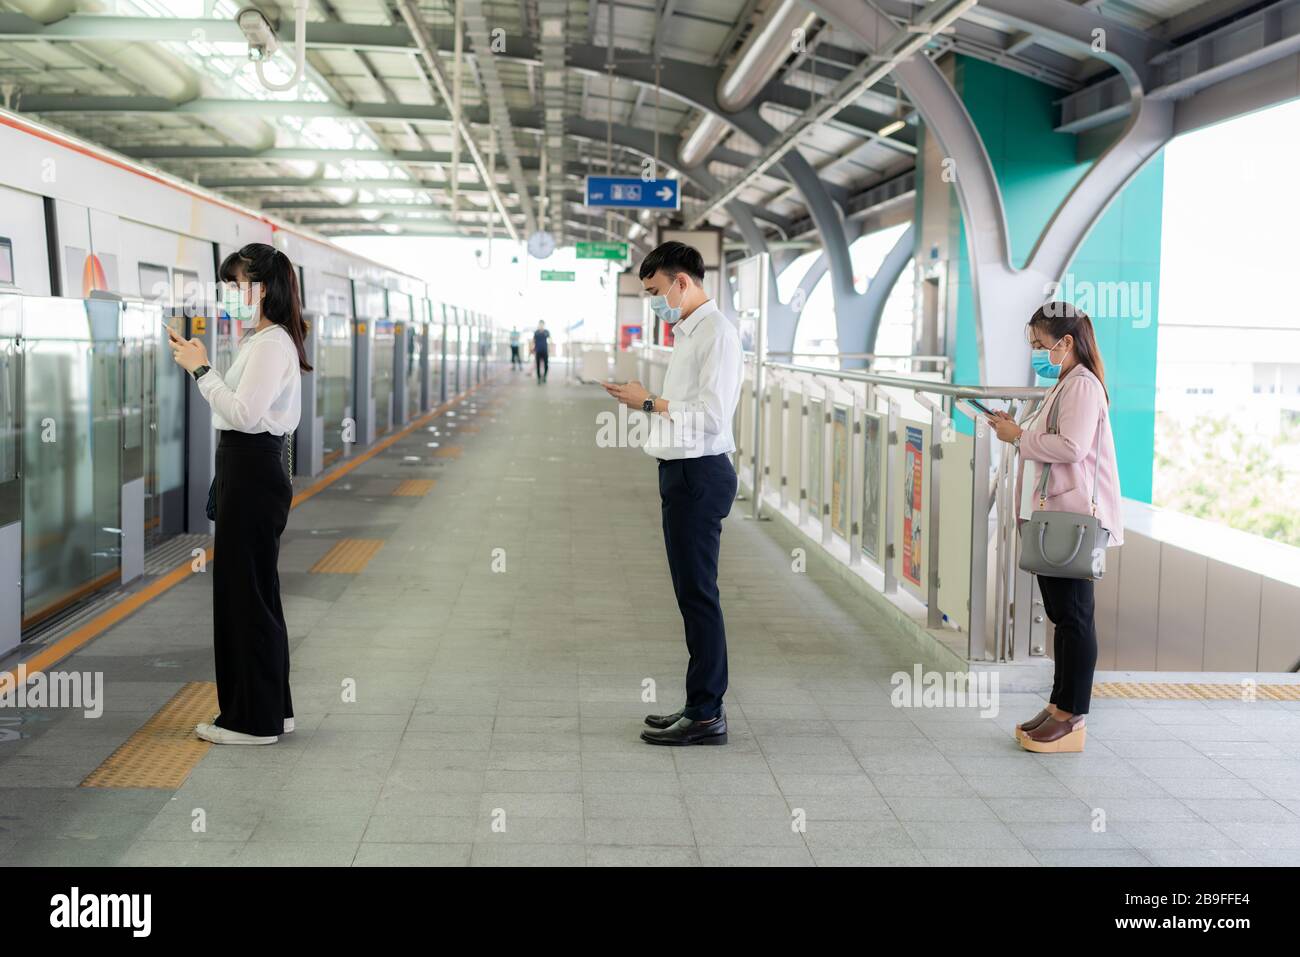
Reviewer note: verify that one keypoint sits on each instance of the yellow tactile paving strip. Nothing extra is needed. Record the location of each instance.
(348, 556)
(414, 487)
(1195, 692)
(165, 750)
(447, 452)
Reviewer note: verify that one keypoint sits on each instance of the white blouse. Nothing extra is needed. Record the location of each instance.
(262, 389)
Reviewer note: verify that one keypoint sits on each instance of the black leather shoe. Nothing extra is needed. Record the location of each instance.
(685, 731)
(662, 721)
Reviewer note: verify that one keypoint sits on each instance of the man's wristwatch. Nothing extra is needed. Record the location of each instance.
(198, 373)
(648, 406)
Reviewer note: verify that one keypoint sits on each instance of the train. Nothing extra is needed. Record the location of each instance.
(106, 448)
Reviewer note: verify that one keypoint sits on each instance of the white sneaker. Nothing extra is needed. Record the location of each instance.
(288, 725)
(210, 732)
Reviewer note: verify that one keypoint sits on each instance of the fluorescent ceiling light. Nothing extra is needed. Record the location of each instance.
(891, 129)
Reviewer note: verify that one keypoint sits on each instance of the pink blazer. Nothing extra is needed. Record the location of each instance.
(1073, 452)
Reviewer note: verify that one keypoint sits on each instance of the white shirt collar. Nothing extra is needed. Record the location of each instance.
(687, 325)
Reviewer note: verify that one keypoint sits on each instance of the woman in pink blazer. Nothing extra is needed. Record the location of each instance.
(1083, 472)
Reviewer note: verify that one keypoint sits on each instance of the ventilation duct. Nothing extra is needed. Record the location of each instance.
(768, 46)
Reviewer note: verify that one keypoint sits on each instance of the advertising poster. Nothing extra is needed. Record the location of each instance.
(871, 490)
(840, 471)
(912, 506)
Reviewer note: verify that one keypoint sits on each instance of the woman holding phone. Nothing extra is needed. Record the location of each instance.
(1083, 477)
(254, 406)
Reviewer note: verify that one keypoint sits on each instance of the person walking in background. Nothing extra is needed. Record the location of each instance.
(516, 360)
(697, 482)
(541, 351)
(1083, 478)
(255, 404)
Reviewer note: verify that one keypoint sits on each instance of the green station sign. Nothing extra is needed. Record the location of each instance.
(556, 275)
(615, 251)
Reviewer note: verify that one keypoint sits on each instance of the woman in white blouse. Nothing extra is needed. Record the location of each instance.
(254, 406)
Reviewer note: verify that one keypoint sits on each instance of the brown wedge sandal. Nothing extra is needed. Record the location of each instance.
(1033, 722)
(1055, 737)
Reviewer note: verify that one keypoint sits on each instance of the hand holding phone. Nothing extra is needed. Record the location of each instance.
(980, 407)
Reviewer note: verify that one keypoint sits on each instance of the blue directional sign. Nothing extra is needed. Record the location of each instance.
(632, 192)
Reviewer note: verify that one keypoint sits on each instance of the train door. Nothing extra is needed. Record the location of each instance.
(162, 382)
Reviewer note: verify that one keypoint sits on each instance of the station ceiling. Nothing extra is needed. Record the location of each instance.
(550, 91)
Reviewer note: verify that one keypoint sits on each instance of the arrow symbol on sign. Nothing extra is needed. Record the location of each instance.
(665, 193)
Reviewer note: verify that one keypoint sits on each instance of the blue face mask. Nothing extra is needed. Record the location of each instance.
(1041, 360)
(666, 313)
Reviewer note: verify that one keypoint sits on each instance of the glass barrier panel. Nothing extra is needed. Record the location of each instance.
(382, 352)
(840, 497)
(71, 466)
(873, 481)
(813, 468)
(334, 381)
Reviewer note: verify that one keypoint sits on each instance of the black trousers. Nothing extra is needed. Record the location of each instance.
(696, 495)
(1070, 606)
(250, 638)
(543, 364)
(515, 359)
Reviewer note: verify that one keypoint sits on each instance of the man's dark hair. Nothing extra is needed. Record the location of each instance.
(673, 258)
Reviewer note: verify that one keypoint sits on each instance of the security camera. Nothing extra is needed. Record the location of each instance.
(259, 33)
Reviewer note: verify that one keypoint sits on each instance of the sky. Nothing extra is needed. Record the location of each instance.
(1230, 214)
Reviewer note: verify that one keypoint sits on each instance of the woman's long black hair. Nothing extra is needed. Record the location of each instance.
(1061, 319)
(260, 263)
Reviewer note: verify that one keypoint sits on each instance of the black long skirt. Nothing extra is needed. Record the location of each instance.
(250, 639)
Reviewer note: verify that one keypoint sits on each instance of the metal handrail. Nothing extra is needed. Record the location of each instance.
(918, 385)
(939, 360)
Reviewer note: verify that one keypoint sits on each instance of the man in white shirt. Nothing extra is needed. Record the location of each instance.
(692, 440)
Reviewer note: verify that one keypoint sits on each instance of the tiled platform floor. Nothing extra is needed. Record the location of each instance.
(499, 643)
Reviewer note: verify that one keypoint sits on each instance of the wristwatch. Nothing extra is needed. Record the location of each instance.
(198, 373)
(648, 406)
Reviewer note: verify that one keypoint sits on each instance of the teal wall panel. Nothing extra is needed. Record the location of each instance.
(1115, 275)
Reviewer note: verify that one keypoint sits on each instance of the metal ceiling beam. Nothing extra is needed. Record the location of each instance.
(213, 106)
(352, 37)
(906, 43)
(429, 54)
(1239, 47)
(476, 27)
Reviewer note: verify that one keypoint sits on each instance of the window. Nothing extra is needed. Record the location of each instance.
(155, 283)
(6, 262)
(187, 292)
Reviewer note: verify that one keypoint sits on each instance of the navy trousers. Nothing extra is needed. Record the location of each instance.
(696, 495)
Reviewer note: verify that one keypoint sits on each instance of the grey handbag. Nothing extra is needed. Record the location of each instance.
(1064, 544)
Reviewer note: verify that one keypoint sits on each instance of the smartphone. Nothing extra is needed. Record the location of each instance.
(980, 406)
(171, 333)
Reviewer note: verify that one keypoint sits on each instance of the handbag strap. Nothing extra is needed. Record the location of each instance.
(1053, 417)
